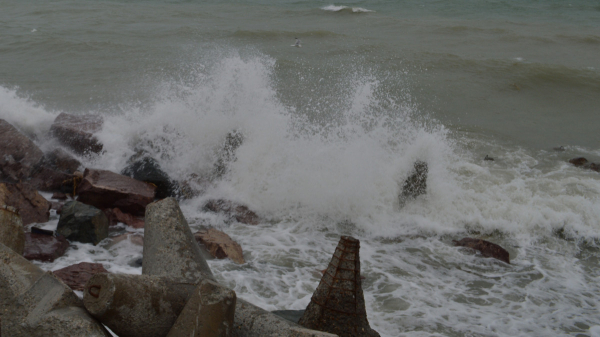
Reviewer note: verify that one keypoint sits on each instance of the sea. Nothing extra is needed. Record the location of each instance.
(332, 129)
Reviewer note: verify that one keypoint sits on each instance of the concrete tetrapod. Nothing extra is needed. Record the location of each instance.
(136, 305)
(169, 245)
(338, 304)
(208, 313)
(34, 303)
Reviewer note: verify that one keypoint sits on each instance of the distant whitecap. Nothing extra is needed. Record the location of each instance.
(334, 8)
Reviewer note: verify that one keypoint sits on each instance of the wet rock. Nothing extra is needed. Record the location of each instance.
(415, 184)
(77, 275)
(209, 312)
(136, 305)
(18, 154)
(57, 206)
(48, 180)
(115, 216)
(62, 161)
(559, 149)
(486, 248)
(232, 142)
(32, 207)
(77, 132)
(45, 248)
(338, 305)
(82, 223)
(488, 158)
(579, 161)
(59, 196)
(290, 315)
(135, 238)
(12, 234)
(594, 167)
(240, 213)
(169, 245)
(148, 170)
(220, 245)
(35, 304)
(105, 189)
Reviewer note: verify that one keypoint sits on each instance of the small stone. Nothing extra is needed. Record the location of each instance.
(45, 248)
(77, 275)
(486, 248)
(220, 245)
(82, 223)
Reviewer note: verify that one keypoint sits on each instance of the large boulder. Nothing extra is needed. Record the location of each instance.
(415, 184)
(338, 304)
(106, 189)
(148, 170)
(62, 161)
(220, 245)
(169, 245)
(486, 248)
(77, 275)
(18, 154)
(82, 223)
(34, 303)
(227, 155)
(12, 233)
(43, 247)
(32, 207)
(240, 213)
(48, 179)
(77, 132)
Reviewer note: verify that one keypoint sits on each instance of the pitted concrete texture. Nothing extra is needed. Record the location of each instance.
(34, 303)
(169, 245)
(252, 321)
(136, 305)
(208, 313)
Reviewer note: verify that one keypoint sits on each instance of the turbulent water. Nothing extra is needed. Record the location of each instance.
(331, 131)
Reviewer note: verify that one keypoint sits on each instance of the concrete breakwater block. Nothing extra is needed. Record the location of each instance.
(34, 303)
(338, 304)
(136, 305)
(208, 313)
(169, 245)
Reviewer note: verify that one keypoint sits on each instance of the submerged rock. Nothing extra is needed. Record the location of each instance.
(82, 223)
(32, 207)
(415, 184)
(233, 141)
(12, 234)
(220, 245)
(486, 248)
(45, 248)
(105, 189)
(338, 305)
(18, 154)
(34, 303)
(238, 212)
(77, 132)
(148, 170)
(77, 275)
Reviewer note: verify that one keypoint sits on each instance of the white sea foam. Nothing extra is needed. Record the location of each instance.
(334, 8)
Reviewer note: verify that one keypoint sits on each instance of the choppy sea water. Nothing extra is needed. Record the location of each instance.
(331, 131)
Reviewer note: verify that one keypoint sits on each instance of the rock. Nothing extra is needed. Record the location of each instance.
(115, 215)
(18, 154)
(35, 304)
(57, 206)
(595, 167)
(45, 248)
(559, 149)
(579, 161)
(32, 207)
(105, 189)
(12, 234)
(488, 158)
(220, 245)
(136, 305)
(135, 238)
(486, 248)
(415, 184)
(82, 223)
(252, 321)
(48, 180)
(148, 170)
(76, 132)
(338, 305)
(208, 313)
(77, 275)
(233, 141)
(59, 196)
(290, 315)
(62, 161)
(240, 213)
(169, 245)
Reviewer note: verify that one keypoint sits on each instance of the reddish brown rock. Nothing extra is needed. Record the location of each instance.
(486, 248)
(77, 132)
(48, 180)
(57, 206)
(115, 215)
(59, 196)
(77, 275)
(46, 248)
(62, 161)
(338, 304)
(220, 245)
(578, 162)
(18, 154)
(104, 189)
(135, 238)
(240, 213)
(32, 207)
